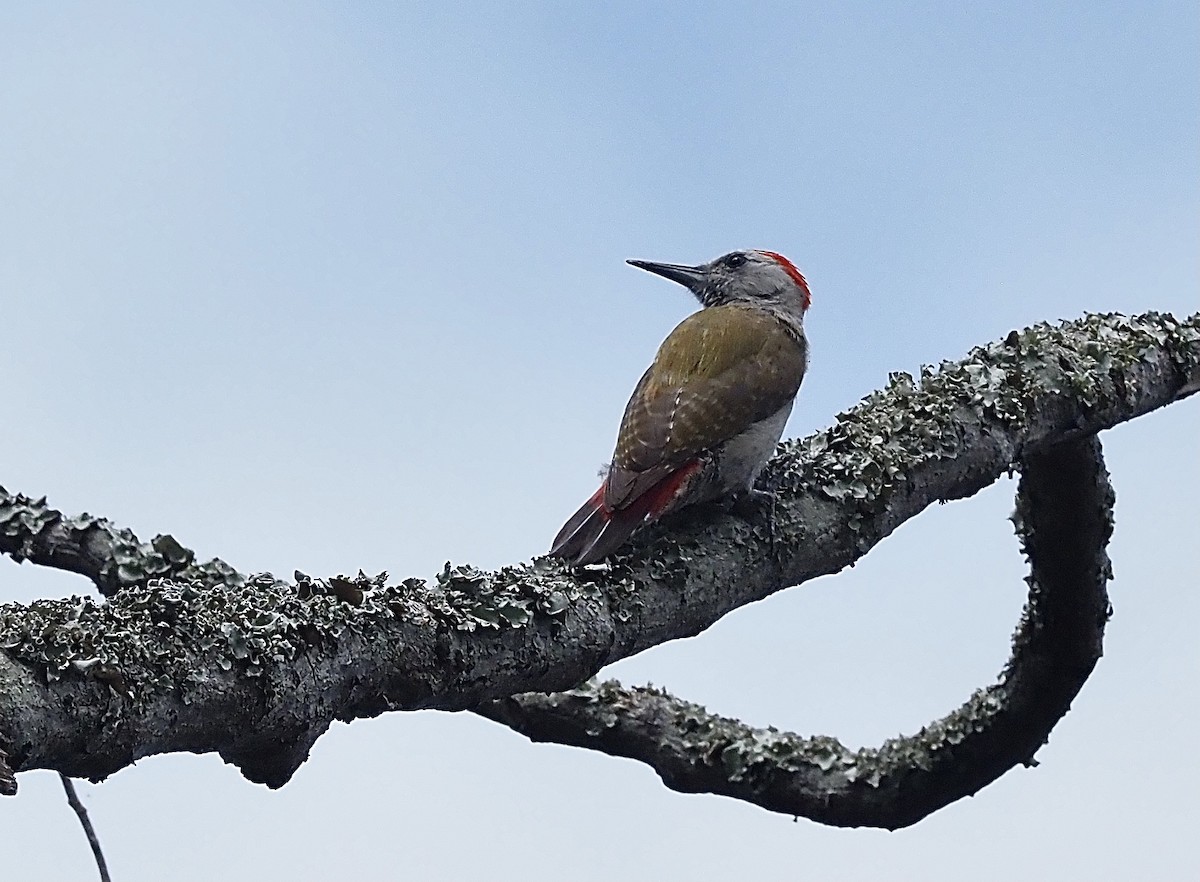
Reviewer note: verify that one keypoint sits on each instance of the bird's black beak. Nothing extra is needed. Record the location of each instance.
(691, 277)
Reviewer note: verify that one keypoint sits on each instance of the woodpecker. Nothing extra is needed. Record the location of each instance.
(708, 412)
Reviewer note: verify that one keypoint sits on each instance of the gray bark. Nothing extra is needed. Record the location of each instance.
(200, 658)
(1064, 509)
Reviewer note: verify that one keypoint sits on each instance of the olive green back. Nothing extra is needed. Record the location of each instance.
(720, 371)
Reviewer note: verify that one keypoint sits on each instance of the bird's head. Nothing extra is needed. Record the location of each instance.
(761, 278)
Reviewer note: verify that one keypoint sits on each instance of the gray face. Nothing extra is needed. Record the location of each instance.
(760, 277)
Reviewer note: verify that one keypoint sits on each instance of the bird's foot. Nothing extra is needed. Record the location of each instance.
(753, 504)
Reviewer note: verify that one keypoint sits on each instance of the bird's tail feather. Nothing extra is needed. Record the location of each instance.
(594, 532)
(570, 539)
(606, 534)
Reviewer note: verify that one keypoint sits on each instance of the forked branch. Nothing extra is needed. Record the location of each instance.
(201, 658)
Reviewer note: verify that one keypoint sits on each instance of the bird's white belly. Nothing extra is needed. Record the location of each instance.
(742, 458)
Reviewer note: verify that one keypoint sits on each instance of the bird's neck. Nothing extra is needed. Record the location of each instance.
(791, 319)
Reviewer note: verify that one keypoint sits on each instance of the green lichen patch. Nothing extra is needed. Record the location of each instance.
(744, 754)
(868, 453)
(467, 598)
(111, 555)
(163, 632)
(898, 755)
(153, 636)
(752, 755)
(748, 754)
(22, 518)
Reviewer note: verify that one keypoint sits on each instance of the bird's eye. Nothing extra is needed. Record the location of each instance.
(733, 261)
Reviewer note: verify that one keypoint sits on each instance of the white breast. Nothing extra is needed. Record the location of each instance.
(741, 459)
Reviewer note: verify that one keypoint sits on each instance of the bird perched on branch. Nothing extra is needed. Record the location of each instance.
(708, 412)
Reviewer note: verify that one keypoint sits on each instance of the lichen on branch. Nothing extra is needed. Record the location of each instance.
(202, 658)
(1064, 521)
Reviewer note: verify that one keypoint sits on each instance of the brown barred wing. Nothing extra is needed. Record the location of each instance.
(720, 371)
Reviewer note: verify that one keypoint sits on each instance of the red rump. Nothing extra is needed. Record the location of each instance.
(661, 495)
(654, 501)
(790, 269)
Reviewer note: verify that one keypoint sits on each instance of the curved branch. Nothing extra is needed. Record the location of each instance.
(1064, 507)
(257, 670)
(111, 557)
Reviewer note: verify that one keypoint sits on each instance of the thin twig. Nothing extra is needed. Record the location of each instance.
(8, 779)
(73, 800)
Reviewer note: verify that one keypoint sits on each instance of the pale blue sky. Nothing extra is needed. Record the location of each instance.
(330, 286)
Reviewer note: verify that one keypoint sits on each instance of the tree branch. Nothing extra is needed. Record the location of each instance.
(88, 830)
(257, 670)
(1064, 517)
(8, 778)
(111, 557)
